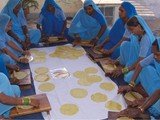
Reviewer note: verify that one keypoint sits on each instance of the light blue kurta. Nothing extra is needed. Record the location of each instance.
(9, 90)
(131, 50)
(19, 21)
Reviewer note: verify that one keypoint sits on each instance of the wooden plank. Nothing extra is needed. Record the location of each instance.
(26, 82)
(43, 107)
(84, 43)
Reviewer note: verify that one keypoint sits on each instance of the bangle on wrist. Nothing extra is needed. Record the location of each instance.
(141, 109)
(26, 101)
(125, 70)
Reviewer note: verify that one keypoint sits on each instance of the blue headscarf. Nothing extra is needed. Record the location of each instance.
(117, 31)
(9, 90)
(46, 3)
(129, 8)
(157, 64)
(52, 24)
(135, 46)
(4, 20)
(86, 26)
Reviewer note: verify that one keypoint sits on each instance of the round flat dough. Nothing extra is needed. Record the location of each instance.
(111, 105)
(53, 55)
(107, 86)
(41, 77)
(46, 87)
(41, 70)
(131, 96)
(94, 78)
(33, 51)
(80, 74)
(25, 107)
(99, 97)
(69, 109)
(91, 70)
(41, 53)
(78, 93)
(20, 75)
(109, 67)
(39, 59)
(84, 82)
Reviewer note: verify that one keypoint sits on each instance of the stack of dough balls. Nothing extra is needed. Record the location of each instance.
(85, 79)
(42, 76)
(66, 52)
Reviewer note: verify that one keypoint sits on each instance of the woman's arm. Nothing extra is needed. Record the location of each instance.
(10, 33)
(64, 27)
(150, 101)
(15, 47)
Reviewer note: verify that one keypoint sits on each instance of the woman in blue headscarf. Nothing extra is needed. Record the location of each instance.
(9, 51)
(135, 50)
(148, 71)
(89, 24)
(52, 20)
(20, 32)
(9, 97)
(119, 31)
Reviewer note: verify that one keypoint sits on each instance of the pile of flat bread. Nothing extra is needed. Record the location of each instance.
(66, 52)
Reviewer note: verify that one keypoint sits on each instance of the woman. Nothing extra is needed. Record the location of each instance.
(133, 51)
(148, 71)
(19, 27)
(89, 24)
(52, 20)
(9, 97)
(116, 34)
(9, 51)
(141, 108)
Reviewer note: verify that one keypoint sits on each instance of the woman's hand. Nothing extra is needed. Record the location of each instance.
(14, 81)
(14, 67)
(93, 42)
(23, 60)
(124, 89)
(27, 42)
(24, 45)
(98, 47)
(116, 73)
(27, 53)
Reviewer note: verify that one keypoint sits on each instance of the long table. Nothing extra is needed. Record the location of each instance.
(88, 109)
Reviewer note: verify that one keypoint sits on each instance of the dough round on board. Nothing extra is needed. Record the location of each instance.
(99, 97)
(94, 78)
(91, 70)
(39, 59)
(20, 75)
(41, 70)
(107, 86)
(46, 87)
(97, 52)
(41, 77)
(131, 96)
(69, 109)
(78, 93)
(112, 105)
(109, 67)
(25, 107)
(80, 74)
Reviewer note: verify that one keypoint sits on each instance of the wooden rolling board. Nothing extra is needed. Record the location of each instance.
(96, 57)
(85, 43)
(26, 82)
(115, 116)
(56, 39)
(105, 62)
(44, 107)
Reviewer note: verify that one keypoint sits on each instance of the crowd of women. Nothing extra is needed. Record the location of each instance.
(130, 43)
